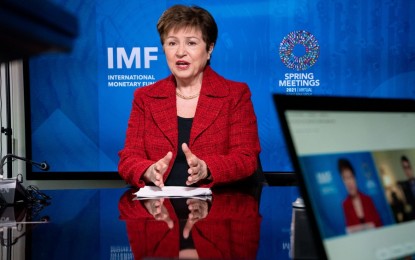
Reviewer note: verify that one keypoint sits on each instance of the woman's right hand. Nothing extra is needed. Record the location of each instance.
(156, 171)
(156, 208)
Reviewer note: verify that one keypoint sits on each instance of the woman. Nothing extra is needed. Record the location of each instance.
(193, 127)
(359, 209)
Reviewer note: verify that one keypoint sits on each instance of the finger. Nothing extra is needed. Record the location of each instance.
(189, 155)
(160, 168)
(158, 205)
(193, 178)
(155, 212)
(170, 223)
(190, 180)
(191, 204)
(194, 215)
(187, 228)
(191, 201)
(166, 159)
(194, 175)
(149, 205)
(160, 202)
(193, 170)
(158, 180)
(195, 212)
(166, 218)
(161, 165)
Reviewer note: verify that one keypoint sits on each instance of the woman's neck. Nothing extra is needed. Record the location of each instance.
(190, 86)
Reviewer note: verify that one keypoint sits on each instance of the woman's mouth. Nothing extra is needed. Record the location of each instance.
(182, 64)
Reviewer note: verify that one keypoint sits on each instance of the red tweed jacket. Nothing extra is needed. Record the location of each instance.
(369, 209)
(224, 132)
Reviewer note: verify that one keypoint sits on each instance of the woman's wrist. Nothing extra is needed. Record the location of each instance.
(209, 175)
(205, 168)
(146, 177)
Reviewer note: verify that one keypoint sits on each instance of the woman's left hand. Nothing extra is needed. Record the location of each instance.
(199, 209)
(197, 168)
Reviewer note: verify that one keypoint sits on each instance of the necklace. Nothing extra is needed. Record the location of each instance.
(180, 95)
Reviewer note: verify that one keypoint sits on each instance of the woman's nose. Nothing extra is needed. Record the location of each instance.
(181, 50)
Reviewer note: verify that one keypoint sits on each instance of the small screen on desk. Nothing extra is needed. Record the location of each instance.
(357, 169)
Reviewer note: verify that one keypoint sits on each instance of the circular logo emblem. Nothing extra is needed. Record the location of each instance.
(293, 40)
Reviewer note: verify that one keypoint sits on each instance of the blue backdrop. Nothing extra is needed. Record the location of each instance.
(80, 102)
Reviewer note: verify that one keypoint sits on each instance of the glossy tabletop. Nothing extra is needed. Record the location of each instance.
(112, 224)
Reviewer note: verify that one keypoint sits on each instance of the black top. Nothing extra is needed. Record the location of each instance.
(178, 174)
(182, 212)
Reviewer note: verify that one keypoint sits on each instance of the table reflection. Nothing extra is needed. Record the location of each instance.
(223, 226)
(16, 221)
(109, 224)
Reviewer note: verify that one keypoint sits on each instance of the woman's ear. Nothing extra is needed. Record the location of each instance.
(210, 50)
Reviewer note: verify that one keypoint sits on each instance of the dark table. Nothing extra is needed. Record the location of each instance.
(109, 224)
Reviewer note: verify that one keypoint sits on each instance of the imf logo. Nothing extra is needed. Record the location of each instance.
(324, 177)
(299, 50)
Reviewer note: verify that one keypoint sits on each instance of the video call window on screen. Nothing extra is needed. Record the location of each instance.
(344, 155)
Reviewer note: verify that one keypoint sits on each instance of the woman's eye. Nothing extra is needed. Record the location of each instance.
(171, 43)
(191, 43)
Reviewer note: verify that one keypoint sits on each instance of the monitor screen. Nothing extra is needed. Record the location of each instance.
(357, 170)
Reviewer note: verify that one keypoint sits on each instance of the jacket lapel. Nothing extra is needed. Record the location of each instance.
(163, 109)
(211, 101)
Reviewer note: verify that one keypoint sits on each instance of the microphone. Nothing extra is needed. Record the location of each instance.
(43, 165)
(12, 191)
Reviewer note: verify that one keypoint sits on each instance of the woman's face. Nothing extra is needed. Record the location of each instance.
(186, 54)
(349, 181)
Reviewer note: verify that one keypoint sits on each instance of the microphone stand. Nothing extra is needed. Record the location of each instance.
(8, 130)
(11, 190)
(43, 165)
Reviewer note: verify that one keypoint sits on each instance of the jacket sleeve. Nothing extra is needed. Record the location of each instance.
(133, 161)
